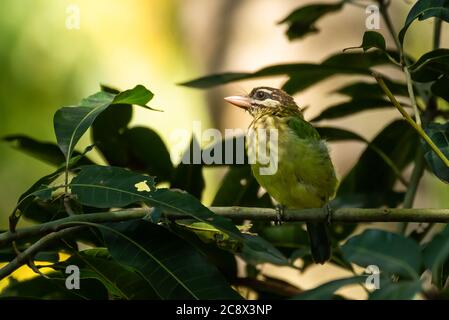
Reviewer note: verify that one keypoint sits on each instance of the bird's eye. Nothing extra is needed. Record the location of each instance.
(261, 95)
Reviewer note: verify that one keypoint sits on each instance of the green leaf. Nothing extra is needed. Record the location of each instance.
(139, 95)
(364, 90)
(352, 107)
(71, 123)
(107, 134)
(431, 66)
(439, 133)
(53, 289)
(105, 187)
(354, 63)
(338, 134)
(173, 268)
(371, 39)
(45, 151)
(302, 75)
(240, 188)
(403, 290)
(121, 282)
(439, 88)
(436, 254)
(257, 250)
(391, 252)
(372, 175)
(148, 153)
(188, 175)
(424, 9)
(302, 20)
(326, 291)
(133, 148)
(288, 236)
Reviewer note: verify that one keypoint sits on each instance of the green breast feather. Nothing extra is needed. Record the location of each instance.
(305, 177)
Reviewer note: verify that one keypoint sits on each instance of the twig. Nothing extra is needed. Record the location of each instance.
(24, 256)
(249, 213)
(409, 119)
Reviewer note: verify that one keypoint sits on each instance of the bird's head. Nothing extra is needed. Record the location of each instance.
(266, 100)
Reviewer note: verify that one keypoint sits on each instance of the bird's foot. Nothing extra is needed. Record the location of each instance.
(279, 214)
(328, 209)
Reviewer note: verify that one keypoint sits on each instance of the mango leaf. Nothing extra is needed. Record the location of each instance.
(372, 175)
(224, 260)
(104, 187)
(338, 134)
(358, 63)
(391, 252)
(140, 149)
(439, 88)
(45, 151)
(139, 95)
(402, 290)
(257, 250)
(121, 282)
(148, 153)
(71, 123)
(288, 237)
(367, 90)
(439, 133)
(424, 9)
(107, 134)
(173, 268)
(436, 254)
(431, 66)
(351, 107)
(326, 291)
(302, 20)
(54, 288)
(303, 75)
(371, 39)
(188, 175)
(240, 188)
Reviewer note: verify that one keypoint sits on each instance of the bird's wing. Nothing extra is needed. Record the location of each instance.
(303, 129)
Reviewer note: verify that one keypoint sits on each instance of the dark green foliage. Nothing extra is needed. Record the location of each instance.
(163, 257)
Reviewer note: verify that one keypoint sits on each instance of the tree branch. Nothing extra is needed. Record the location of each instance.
(24, 256)
(304, 215)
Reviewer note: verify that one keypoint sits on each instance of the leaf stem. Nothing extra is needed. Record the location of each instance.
(409, 119)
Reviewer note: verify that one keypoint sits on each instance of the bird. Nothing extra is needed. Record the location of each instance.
(305, 176)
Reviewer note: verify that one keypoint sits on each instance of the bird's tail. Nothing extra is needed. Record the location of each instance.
(320, 244)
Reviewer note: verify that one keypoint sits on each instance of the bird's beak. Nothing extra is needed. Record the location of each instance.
(239, 101)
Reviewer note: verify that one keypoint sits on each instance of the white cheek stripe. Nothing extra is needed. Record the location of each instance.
(269, 103)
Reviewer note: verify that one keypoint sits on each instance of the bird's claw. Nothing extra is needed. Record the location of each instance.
(279, 214)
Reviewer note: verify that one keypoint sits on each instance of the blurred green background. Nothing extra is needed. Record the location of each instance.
(45, 65)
